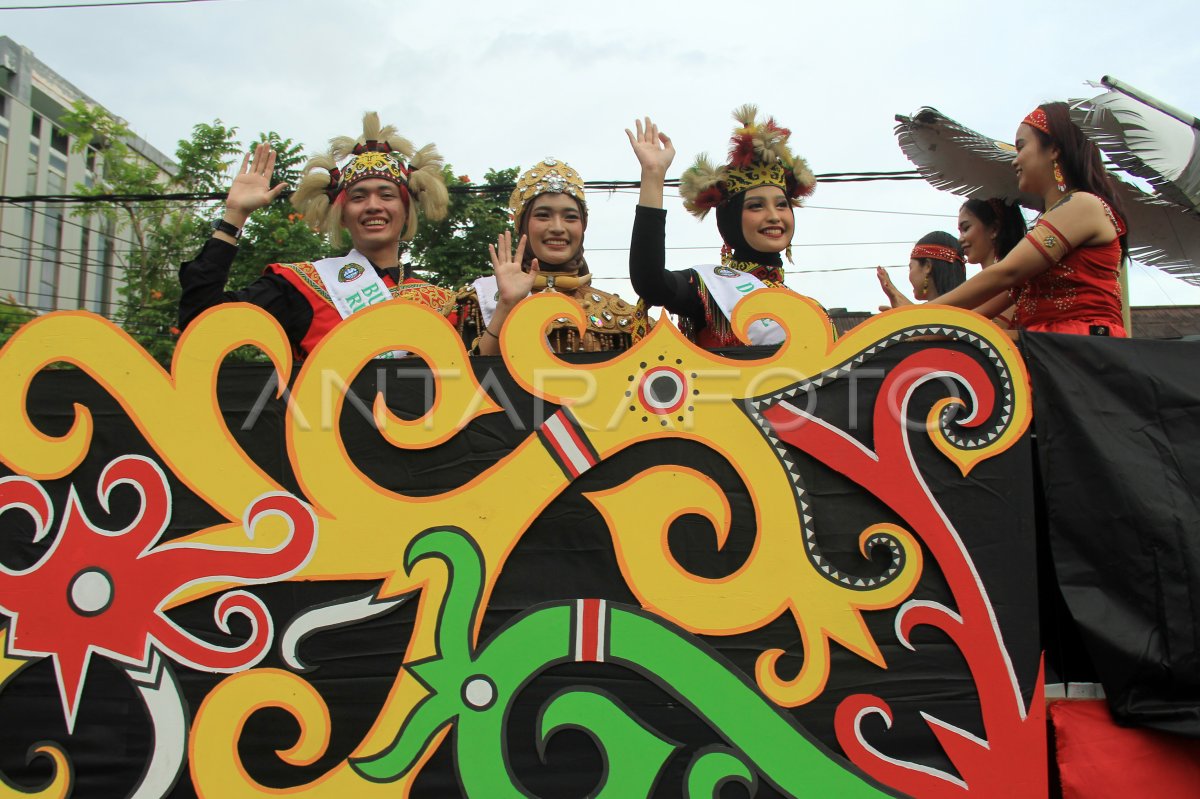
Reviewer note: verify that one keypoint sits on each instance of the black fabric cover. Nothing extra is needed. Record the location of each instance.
(567, 553)
(1118, 428)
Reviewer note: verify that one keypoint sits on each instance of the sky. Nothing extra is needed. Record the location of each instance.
(504, 84)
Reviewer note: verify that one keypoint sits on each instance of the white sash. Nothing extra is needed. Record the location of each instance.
(487, 295)
(353, 284)
(727, 286)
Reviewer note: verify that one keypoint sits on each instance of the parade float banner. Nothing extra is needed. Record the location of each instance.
(799, 571)
(1117, 425)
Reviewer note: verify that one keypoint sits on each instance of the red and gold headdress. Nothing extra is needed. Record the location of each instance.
(379, 153)
(758, 156)
(1037, 119)
(937, 252)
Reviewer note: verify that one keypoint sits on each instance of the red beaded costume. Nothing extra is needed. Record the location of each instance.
(1079, 292)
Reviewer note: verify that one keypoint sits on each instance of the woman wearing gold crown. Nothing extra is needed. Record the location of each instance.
(550, 217)
(754, 195)
(374, 196)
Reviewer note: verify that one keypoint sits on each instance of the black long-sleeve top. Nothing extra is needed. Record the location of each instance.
(678, 292)
(203, 281)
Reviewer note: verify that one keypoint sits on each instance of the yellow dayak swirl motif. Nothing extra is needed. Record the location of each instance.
(177, 412)
(662, 388)
(364, 529)
(59, 786)
(611, 402)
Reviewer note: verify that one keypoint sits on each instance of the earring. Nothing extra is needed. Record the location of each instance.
(925, 287)
(1058, 177)
(788, 252)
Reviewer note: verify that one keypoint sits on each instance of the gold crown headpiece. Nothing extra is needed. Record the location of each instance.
(379, 153)
(758, 156)
(549, 176)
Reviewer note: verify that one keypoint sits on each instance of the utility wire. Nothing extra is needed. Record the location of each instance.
(593, 185)
(105, 5)
(31, 255)
(67, 220)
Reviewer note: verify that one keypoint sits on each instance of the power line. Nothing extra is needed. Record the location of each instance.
(82, 226)
(499, 188)
(794, 245)
(877, 211)
(31, 255)
(105, 5)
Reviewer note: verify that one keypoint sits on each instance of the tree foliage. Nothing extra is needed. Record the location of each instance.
(160, 234)
(12, 316)
(163, 235)
(454, 252)
(277, 233)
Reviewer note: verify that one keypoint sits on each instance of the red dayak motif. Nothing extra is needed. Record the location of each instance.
(100, 592)
(1011, 761)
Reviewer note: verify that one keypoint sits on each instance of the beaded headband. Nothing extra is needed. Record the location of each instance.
(1037, 119)
(549, 176)
(372, 159)
(937, 252)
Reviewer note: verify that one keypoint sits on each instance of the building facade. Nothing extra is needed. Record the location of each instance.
(51, 258)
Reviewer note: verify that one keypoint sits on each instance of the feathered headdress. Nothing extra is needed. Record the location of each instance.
(379, 153)
(758, 156)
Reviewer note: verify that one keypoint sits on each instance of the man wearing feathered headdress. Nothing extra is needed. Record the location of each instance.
(374, 196)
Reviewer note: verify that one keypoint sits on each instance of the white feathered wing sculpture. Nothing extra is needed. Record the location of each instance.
(1162, 232)
(1161, 145)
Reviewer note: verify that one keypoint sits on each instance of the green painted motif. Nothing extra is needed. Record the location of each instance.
(473, 689)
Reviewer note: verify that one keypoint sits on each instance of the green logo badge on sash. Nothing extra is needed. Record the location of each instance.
(350, 272)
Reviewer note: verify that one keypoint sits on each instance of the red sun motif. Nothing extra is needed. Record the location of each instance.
(101, 592)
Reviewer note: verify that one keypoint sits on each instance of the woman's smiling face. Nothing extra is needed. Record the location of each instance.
(555, 228)
(767, 219)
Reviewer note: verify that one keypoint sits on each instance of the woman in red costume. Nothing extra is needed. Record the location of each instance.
(1064, 277)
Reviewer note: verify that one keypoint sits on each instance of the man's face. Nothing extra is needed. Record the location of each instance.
(373, 214)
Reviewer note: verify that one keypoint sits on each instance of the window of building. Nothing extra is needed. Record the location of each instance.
(35, 136)
(3, 136)
(95, 264)
(89, 171)
(52, 232)
(108, 262)
(60, 142)
(25, 279)
(85, 267)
